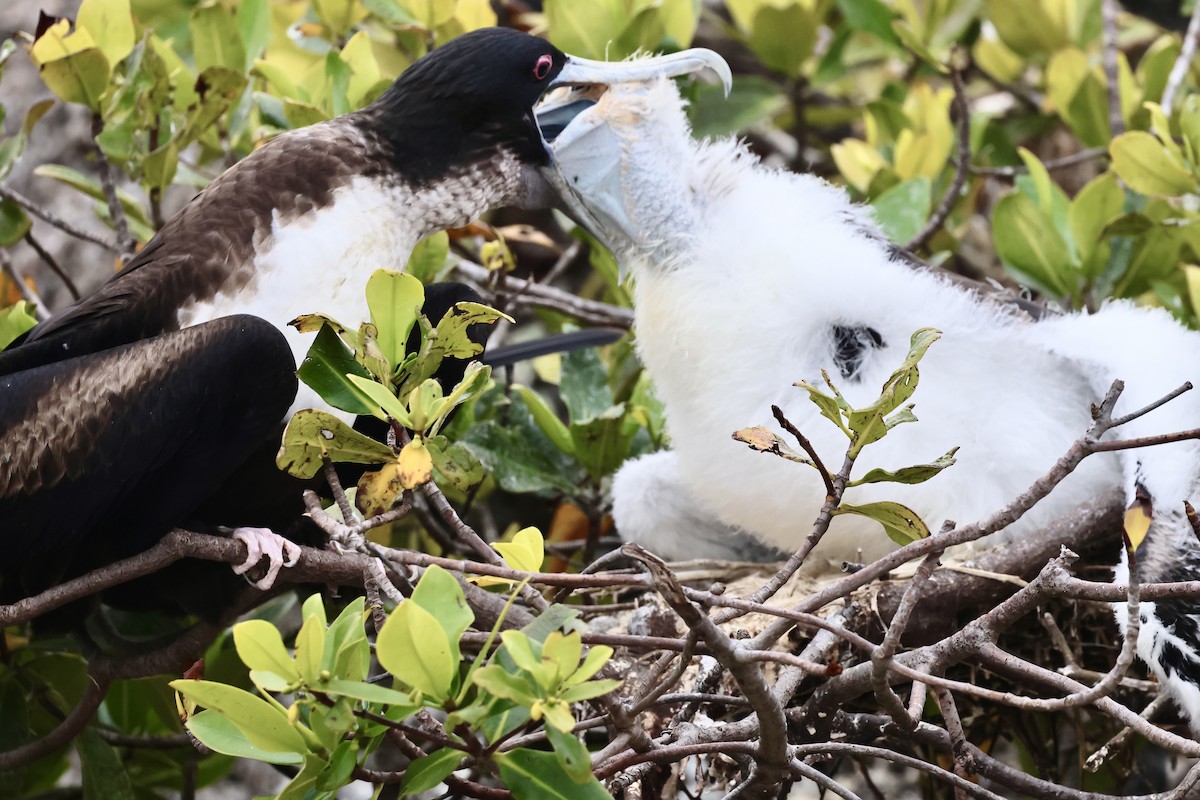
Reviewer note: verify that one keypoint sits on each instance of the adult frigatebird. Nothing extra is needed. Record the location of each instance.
(747, 279)
(123, 413)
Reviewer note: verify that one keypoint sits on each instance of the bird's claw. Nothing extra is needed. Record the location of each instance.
(260, 542)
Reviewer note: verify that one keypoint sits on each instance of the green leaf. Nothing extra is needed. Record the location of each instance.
(310, 650)
(554, 428)
(828, 406)
(254, 27)
(456, 465)
(563, 652)
(575, 758)
(601, 444)
(110, 23)
(1027, 241)
(300, 114)
(519, 455)
(1142, 162)
(92, 188)
(263, 724)
(395, 300)
(10, 152)
(588, 689)
(218, 733)
(14, 224)
(301, 787)
(385, 404)
(390, 11)
(429, 256)
(413, 647)
(342, 762)
(104, 776)
(536, 775)
(371, 693)
(584, 385)
(901, 523)
(337, 15)
(903, 209)
(494, 679)
(312, 435)
(216, 40)
(872, 16)
(474, 382)
(348, 641)
(903, 381)
(598, 655)
(913, 41)
(915, 474)
(441, 595)
(752, 99)
(517, 646)
(1097, 204)
(585, 29)
(430, 13)
(260, 647)
(783, 36)
(452, 339)
(324, 370)
(428, 771)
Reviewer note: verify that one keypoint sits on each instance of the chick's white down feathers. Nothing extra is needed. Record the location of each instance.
(743, 276)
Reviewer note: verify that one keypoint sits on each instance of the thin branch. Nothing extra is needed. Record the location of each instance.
(770, 756)
(53, 264)
(907, 761)
(881, 657)
(807, 446)
(125, 242)
(27, 292)
(961, 168)
(537, 295)
(1109, 52)
(1051, 165)
(48, 216)
(1183, 62)
(65, 731)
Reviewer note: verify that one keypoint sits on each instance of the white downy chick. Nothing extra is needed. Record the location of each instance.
(747, 279)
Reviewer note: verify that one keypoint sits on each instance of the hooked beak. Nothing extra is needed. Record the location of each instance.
(583, 71)
(589, 79)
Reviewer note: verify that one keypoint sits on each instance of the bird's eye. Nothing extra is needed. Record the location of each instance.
(542, 68)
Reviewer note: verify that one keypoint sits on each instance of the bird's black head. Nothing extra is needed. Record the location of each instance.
(464, 101)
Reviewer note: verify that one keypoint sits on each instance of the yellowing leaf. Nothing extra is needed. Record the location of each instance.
(311, 435)
(71, 64)
(474, 14)
(111, 25)
(1137, 519)
(1191, 274)
(415, 464)
(924, 148)
(525, 552)
(1148, 167)
(901, 523)
(858, 162)
(364, 68)
(58, 41)
(379, 490)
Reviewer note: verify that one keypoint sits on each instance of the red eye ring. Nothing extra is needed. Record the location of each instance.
(542, 68)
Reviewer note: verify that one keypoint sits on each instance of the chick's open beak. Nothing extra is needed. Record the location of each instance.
(558, 115)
